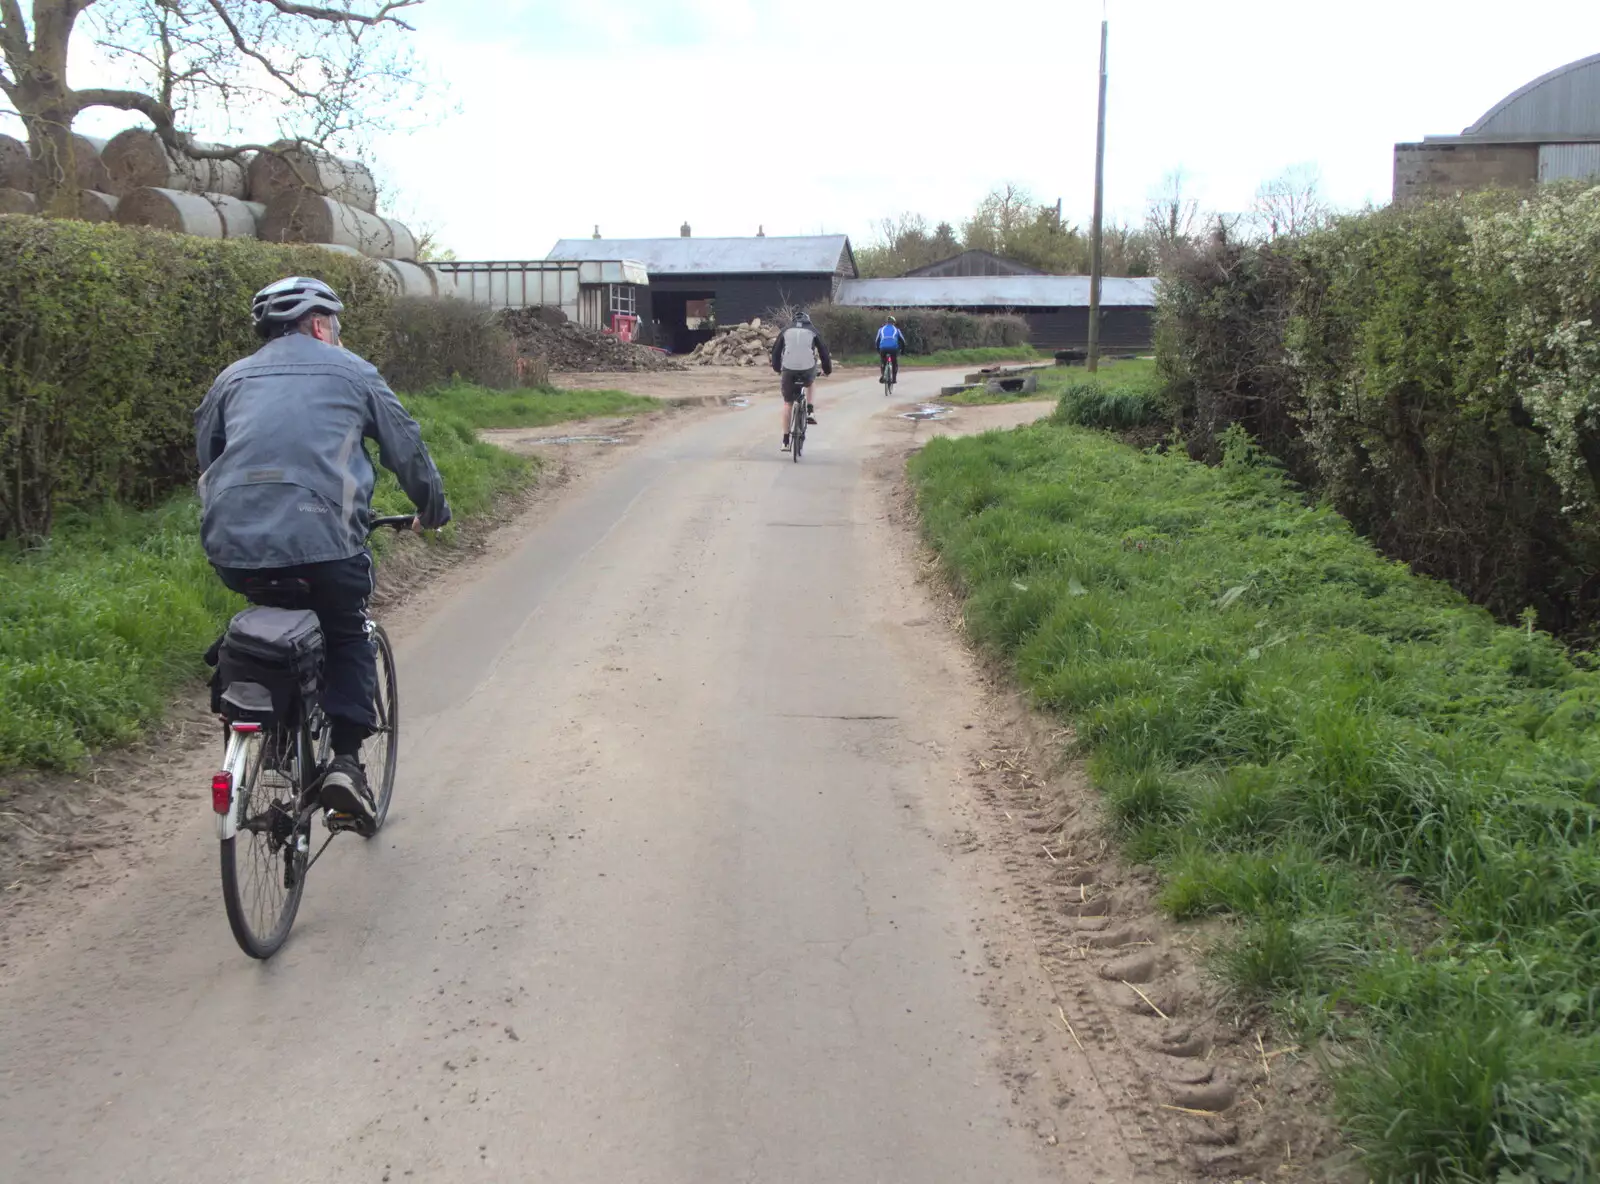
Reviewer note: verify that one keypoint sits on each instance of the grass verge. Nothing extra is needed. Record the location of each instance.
(483, 408)
(1122, 393)
(99, 628)
(954, 357)
(1396, 798)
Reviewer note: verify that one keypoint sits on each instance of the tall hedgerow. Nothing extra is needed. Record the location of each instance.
(851, 331)
(110, 336)
(1433, 370)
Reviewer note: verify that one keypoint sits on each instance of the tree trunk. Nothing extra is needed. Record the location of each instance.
(47, 107)
(55, 164)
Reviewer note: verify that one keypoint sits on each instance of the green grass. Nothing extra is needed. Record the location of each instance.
(103, 625)
(483, 408)
(978, 397)
(1396, 798)
(1122, 394)
(983, 356)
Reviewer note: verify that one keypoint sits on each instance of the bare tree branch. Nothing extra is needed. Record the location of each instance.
(244, 47)
(341, 17)
(327, 70)
(125, 100)
(13, 33)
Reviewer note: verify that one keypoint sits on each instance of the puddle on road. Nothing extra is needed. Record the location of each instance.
(739, 401)
(576, 440)
(927, 411)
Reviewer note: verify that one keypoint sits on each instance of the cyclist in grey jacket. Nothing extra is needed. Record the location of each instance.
(286, 489)
(794, 357)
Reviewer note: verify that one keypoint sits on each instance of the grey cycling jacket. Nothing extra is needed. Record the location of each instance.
(284, 478)
(798, 348)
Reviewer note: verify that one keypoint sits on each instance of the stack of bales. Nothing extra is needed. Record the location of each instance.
(16, 178)
(290, 195)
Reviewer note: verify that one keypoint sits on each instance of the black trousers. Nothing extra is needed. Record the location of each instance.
(339, 593)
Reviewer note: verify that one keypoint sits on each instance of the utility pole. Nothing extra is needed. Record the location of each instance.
(1097, 260)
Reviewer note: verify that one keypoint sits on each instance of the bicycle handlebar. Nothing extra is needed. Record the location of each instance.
(395, 522)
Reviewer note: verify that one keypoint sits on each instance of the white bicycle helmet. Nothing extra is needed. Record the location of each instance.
(288, 300)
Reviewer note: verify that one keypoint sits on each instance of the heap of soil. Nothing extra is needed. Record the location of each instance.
(545, 333)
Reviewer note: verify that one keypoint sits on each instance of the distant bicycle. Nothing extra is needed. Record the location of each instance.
(268, 689)
(888, 377)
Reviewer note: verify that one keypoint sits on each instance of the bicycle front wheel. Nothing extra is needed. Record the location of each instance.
(383, 746)
(264, 864)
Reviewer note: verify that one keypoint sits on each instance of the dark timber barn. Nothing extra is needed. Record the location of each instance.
(1056, 307)
(698, 282)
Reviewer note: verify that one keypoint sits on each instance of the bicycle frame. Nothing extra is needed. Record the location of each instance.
(245, 739)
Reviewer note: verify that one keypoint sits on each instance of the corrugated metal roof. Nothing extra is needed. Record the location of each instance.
(1563, 103)
(995, 291)
(809, 254)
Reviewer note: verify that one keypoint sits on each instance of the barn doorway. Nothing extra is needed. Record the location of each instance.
(683, 319)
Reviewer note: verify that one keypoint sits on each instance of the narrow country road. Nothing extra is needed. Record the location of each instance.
(666, 894)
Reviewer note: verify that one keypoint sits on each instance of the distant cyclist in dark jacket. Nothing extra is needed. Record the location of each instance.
(286, 491)
(890, 342)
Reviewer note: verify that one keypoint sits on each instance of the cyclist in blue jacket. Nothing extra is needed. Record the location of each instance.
(890, 342)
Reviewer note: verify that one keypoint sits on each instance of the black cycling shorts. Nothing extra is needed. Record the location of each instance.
(794, 381)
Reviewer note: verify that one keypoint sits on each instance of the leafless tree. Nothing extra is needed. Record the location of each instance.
(1000, 215)
(1172, 215)
(324, 70)
(1290, 204)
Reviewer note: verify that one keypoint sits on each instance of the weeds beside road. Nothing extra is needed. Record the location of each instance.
(1122, 385)
(100, 626)
(1396, 797)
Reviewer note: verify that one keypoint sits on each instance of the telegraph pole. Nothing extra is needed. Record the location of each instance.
(1096, 266)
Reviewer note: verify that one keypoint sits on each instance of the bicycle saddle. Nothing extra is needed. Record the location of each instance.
(277, 591)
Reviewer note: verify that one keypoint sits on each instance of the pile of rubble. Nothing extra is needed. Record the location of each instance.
(737, 345)
(545, 333)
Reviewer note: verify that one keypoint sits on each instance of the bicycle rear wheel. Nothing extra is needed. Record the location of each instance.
(383, 746)
(797, 427)
(264, 864)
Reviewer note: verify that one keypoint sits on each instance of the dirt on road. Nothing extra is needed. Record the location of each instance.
(715, 855)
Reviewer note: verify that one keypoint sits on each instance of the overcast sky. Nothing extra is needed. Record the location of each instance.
(827, 115)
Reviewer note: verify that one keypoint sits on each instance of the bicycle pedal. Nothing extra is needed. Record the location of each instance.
(337, 822)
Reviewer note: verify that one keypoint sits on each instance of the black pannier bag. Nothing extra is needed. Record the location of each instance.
(268, 662)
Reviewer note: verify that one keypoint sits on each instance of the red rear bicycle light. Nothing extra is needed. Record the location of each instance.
(246, 727)
(222, 791)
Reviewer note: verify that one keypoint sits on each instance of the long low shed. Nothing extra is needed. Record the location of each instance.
(1056, 307)
(589, 292)
(695, 281)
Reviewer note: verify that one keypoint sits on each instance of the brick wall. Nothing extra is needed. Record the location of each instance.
(1439, 169)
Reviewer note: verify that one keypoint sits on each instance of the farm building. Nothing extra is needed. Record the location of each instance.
(1056, 307)
(694, 283)
(1548, 130)
(594, 293)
